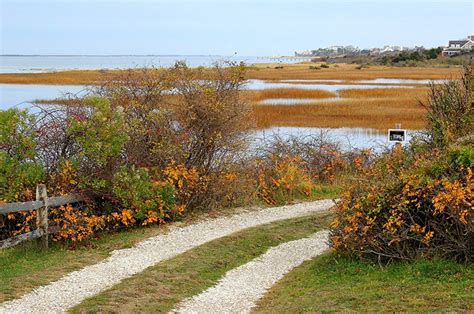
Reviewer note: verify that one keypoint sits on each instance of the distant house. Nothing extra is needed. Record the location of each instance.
(456, 47)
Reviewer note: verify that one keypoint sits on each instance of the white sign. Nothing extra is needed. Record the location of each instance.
(397, 135)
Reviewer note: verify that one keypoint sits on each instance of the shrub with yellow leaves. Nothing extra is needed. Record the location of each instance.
(410, 204)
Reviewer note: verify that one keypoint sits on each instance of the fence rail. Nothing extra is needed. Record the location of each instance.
(41, 204)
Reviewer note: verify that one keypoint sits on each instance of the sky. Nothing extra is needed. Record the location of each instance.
(225, 27)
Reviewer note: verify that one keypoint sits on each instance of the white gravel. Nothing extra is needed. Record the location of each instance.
(70, 290)
(242, 287)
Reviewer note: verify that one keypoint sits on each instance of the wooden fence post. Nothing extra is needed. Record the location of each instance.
(42, 214)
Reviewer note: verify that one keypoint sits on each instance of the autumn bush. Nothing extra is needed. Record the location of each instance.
(417, 200)
(290, 168)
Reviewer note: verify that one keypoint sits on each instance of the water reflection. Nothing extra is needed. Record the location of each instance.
(402, 81)
(349, 138)
(393, 81)
(259, 84)
(309, 81)
(21, 94)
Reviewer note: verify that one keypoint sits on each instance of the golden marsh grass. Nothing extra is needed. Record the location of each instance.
(259, 71)
(418, 93)
(258, 95)
(350, 72)
(380, 114)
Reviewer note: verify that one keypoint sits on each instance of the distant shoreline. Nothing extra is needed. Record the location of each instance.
(149, 55)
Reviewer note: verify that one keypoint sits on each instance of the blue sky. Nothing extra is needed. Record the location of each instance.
(248, 27)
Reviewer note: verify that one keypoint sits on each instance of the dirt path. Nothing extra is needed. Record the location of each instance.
(70, 290)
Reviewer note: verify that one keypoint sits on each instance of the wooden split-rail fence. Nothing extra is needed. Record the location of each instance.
(41, 205)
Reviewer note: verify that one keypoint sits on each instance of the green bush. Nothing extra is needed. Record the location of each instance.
(100, 138)
(19, 169)
(135, 189)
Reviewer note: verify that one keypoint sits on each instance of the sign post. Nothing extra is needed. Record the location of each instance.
(397, 135)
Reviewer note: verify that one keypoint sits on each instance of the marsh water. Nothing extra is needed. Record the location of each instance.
(21, 95)
(14, 94)
(319, 84)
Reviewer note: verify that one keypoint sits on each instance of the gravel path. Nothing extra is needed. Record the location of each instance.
(241, 287)
(70, 290)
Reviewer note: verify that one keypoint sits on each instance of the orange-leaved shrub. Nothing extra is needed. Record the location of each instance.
(292, 168)
(408, 205)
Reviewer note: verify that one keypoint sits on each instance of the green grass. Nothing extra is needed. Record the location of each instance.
(25, 267)
(327, 283)
(326, 191)
(161, 287)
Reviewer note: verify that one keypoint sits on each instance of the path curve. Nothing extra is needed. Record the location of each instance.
(71, 289)
(240, 288)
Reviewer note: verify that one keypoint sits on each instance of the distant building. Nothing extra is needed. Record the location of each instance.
(456, 47)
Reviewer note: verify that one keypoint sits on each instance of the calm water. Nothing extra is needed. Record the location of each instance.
(373, 81)
(17, 94)
(22, 64)
(401, 81)
(358, 138)
(259, 84)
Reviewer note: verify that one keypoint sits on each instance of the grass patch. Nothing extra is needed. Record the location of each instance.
(322, 191)
(327, 283)
(25, 267)
(161, 287)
